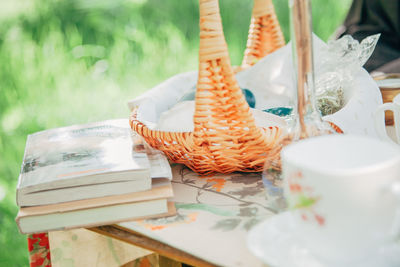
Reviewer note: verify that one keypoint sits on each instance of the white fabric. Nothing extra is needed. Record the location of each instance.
(271, 81)
(180, 118)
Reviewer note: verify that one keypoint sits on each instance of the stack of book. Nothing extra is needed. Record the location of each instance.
(89, 175)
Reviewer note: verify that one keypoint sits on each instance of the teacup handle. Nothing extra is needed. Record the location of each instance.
(378, 121)
(395, 189)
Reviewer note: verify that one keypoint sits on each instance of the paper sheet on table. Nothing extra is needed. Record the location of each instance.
(214, 214)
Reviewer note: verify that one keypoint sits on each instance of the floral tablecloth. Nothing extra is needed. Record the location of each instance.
(39, 250)
(81, 247)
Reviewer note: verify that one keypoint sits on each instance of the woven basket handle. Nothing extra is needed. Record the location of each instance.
(220, 104)
(265, 34)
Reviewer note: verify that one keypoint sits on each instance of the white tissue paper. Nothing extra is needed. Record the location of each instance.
(271, 81)
(180, 118)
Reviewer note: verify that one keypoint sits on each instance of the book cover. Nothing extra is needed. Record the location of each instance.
(82, 155)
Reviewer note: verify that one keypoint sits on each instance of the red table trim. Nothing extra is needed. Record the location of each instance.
(39, 250)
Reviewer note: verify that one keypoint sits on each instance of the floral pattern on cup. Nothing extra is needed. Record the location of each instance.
(304, 199)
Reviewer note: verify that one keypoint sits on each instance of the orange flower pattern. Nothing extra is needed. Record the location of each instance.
(162, 223)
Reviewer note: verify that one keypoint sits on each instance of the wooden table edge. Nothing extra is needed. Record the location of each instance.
(145, 242)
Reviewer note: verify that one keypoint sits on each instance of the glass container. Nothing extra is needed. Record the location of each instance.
(306, 120)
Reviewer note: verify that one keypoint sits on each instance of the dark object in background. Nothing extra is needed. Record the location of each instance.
(367, 17)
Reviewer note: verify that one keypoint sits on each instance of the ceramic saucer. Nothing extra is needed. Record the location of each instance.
(274, 243)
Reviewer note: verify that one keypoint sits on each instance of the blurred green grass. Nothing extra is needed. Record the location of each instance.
(68, 62)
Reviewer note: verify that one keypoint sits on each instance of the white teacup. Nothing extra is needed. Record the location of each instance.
(395, 107)
(345, 191)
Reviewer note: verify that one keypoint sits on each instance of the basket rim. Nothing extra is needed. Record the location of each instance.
(133, 119)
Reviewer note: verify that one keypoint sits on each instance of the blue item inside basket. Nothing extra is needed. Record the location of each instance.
(250, 98)
(280, 111)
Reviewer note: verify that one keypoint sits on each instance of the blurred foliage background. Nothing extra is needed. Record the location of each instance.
(73, 61)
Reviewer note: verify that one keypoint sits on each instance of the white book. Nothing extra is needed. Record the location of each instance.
(81, 162)
(159, 164)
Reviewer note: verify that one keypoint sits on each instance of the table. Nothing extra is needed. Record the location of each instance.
(214, 214)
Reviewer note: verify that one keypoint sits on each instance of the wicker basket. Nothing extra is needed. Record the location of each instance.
(265, 35)
(225, 138)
